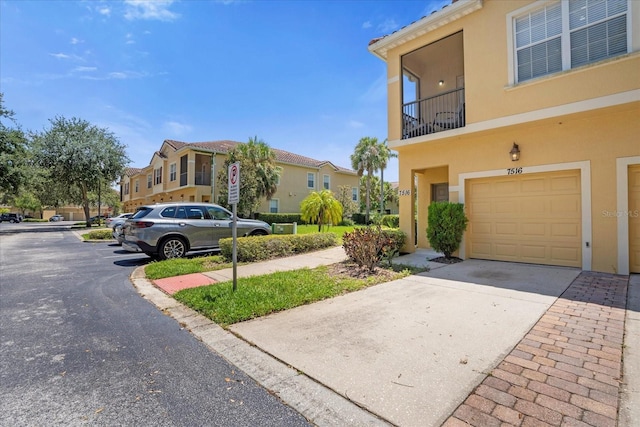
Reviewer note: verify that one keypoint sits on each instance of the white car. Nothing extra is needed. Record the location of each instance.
(115, 220)
(56, 218)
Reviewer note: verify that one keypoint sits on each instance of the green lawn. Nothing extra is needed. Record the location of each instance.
(261, 295)
(338, 230)
(180, 266)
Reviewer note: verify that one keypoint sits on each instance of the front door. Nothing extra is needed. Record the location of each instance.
(440, 192)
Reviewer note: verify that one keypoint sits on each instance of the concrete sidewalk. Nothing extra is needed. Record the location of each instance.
(476, 343)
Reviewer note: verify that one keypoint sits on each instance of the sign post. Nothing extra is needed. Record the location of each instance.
(234, 198)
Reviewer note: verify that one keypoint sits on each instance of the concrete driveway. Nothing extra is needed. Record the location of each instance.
(410, 351)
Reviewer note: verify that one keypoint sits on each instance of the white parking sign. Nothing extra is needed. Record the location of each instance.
(234, 183)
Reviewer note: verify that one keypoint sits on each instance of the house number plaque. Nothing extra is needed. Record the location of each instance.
(404, 192)
(514, 171)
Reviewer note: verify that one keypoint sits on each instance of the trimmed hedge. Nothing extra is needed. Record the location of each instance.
(359, 218)
(270, 218)
(260, 248)
(367, 246)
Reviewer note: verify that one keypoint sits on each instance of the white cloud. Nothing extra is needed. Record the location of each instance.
(355, 124)
(104, 10)
(150, 10)
(85, 69)
(60, 55)
(76, 41)
(177, 129)
(366, 25)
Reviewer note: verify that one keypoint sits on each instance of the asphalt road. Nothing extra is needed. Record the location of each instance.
(78, 345)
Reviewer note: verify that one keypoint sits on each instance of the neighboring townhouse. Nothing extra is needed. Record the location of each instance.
(528, 112)
(182, 171)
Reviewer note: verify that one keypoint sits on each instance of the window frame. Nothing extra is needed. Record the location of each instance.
(277, 205)
(326, 182)
(565, 38)
(149, 180)
(311, 178)
(157, 176)
(173, 172)
(355, 194)
(137, 185)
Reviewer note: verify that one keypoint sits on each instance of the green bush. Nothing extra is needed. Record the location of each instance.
(391, 221)
(447, 223)
(367, 246)
(260, 248)
(103, 234)
(270, 218)
(346, 222)
(359, 218)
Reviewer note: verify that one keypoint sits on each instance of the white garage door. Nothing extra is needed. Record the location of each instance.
(533, 218)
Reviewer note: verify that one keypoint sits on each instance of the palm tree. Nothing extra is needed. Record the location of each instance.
(321, 207)
(385, 154)
(366, 157)
(263, 158)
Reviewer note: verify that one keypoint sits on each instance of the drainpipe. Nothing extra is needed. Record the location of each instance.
(213, 180)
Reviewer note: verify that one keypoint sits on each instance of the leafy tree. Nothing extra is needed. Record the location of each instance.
(80, 156)
(322, 208)
(390, 195)
(345, 197)
(13, 154)
(369, 156)
(259, 174)
(27, 201)
(447, 223)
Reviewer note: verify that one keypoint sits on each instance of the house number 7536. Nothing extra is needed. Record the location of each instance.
(514, 171)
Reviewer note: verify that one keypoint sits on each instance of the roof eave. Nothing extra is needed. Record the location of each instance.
(429, 23)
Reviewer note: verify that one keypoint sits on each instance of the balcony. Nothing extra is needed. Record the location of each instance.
(203, 178)
(433, 114)
(433, 90)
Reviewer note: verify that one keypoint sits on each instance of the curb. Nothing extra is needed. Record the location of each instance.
(317, 403)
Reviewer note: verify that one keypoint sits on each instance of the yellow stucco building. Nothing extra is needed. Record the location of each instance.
(181, 171)
(528, 112)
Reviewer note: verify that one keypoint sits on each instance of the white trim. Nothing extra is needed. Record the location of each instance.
(531, 116)
(444, 16)
(622, 205)
(585, 190)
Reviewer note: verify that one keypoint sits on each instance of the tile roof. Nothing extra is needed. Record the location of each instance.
(377, 39)
(281, 156)
(132, 171)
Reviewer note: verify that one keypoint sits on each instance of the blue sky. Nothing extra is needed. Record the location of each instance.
(295, 73)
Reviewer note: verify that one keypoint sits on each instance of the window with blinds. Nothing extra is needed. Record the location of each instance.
(568, 34)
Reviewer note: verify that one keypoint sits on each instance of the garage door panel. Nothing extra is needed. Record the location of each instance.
(534, 229)
(566, 206)
(532, 185)
(564, 183)
(506, 250)
(507, 229)
(532, 218)
(570, 230)
(569, 254)
(480, 228)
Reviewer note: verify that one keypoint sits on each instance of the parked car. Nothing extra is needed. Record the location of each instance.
(11, 217)
(55, 218)
(94, 219)
(170, 230)
(111, 222)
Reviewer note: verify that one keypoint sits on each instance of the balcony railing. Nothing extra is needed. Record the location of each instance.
(203, 178)
(433, 114)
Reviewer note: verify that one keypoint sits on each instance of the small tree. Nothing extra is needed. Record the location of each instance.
(321, 207)
(345, 197)
(447, 223)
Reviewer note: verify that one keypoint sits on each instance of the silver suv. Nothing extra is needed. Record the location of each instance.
(170, 230)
